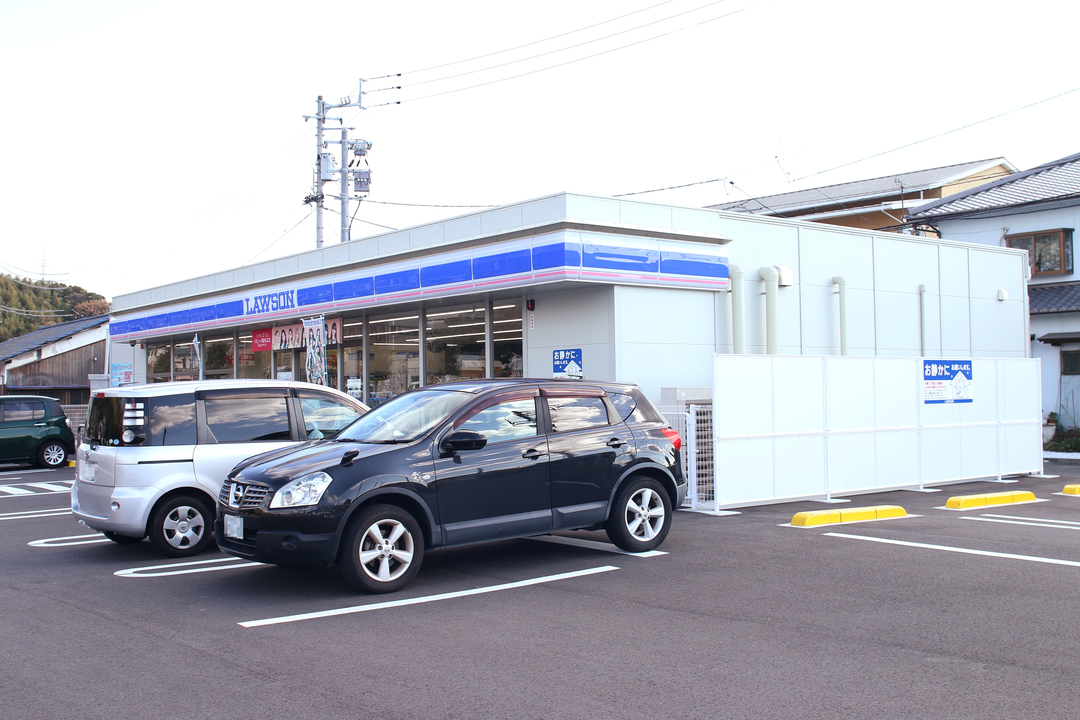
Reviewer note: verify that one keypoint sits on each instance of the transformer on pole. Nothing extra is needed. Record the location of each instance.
(356, 170)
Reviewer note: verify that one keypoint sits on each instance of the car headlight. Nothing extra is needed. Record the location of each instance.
(302, 491)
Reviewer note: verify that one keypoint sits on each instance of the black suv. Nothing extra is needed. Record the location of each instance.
(454, 464)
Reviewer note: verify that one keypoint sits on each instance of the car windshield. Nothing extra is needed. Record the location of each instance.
(406, 417)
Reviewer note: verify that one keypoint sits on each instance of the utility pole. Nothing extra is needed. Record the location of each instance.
(324, 164)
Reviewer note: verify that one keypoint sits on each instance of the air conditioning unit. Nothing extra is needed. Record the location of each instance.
(685, 396)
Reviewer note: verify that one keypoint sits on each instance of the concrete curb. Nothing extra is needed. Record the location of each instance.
(961, 502)
(834, 517)
(1048, 455)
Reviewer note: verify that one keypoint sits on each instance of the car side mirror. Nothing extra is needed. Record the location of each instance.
(462, 440)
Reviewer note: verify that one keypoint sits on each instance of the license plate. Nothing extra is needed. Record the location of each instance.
(234, 527)
(87, 471)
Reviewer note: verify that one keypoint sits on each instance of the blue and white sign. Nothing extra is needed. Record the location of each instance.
(566, 363)
(947, 381)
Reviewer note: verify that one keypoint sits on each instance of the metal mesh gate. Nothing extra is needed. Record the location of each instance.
(697, 451)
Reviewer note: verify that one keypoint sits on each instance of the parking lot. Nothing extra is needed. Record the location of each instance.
(941, 614)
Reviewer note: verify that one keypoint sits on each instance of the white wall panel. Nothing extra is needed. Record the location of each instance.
(897, 393)
(991, 272)
(955, 327)
(742, 459)
(768, 429)
(897, 323)
(902, 265)
(743, 391)
(852, 462)
(953, 271)
(798, 395)
(799, 466)
(825, 254)
(978, 451)
(851, 389)
(896, 458)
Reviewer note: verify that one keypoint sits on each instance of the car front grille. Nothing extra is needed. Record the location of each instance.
(254, 495)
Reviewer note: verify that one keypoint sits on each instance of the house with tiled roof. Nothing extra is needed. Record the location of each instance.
(55, 360)
(877, 203)
(1038, 210)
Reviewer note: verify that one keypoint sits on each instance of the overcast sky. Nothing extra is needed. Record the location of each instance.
(148, 142)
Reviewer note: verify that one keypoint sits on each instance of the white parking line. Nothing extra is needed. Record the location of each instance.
(69, 540)
(27, 514)
(51, 487)
(594, 545)
(966, 551)
(5, 476)
(168, 569)
(1015, 517)
(426, 599)
(15, 490)
(1057, 525)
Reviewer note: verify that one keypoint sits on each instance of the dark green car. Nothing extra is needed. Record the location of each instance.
(34, 429)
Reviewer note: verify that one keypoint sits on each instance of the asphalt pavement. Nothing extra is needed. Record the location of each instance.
(941, 614)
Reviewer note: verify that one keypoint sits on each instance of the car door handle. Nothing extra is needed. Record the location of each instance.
(615, 443)
(532, 454)
(39, 424)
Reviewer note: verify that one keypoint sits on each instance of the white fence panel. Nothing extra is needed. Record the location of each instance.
(788, 427)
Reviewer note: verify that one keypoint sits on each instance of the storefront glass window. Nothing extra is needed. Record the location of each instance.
(455, 344)
(394, 365)
(283, 365)
(252, 364)
(331, 367)
(352, 368)
(218, 357)
(185, 359)
(509, 343)
(157, 363)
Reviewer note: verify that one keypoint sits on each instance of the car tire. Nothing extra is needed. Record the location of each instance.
(640, 516)
(122, 539)
(382, 549)
(52, 454)
(181, 527)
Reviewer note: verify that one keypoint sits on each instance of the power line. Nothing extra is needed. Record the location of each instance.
(338, 213)
(383, 202)
(529, 44)
(563, 49)
(935, 137)
(672, 187)
(37, 287)
(279, 239)
(12, 268)
(563, 64)
(26, 313)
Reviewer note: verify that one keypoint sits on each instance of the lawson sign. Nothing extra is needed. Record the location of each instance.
(270, 302)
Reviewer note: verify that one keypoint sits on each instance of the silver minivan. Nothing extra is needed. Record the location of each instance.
(152, 458)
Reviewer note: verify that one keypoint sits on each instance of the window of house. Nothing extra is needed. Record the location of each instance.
(1049, 251)
(1070, 362)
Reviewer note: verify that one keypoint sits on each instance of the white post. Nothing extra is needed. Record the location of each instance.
(841, 283)
(772, 308)
(320, 117)
(691, 456)
(738, 312)
(344, 184)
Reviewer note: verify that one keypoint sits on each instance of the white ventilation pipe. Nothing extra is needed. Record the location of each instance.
(841, 283)
(922, 320)
(772, 307)
(738, 314)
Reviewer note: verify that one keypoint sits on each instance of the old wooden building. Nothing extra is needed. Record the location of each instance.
(55, 360)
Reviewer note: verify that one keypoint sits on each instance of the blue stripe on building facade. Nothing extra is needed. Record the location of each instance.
(564, 254)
